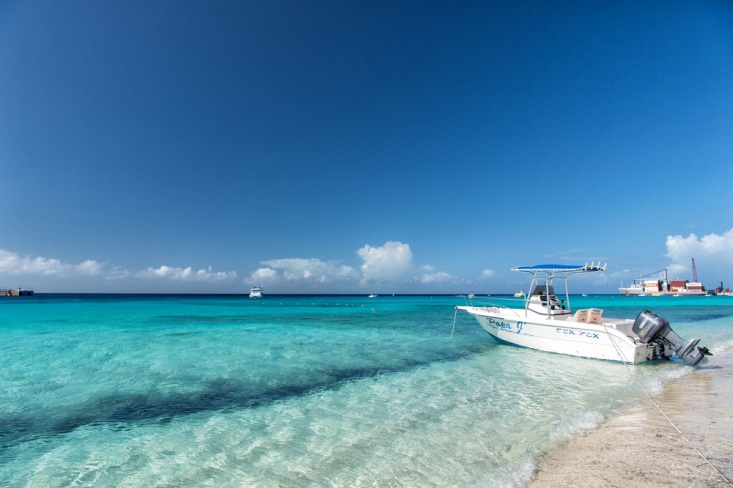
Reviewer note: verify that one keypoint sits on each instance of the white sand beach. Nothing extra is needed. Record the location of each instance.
(690, 444)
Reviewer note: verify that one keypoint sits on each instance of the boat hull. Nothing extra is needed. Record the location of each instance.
(631, 292)
(562, 336)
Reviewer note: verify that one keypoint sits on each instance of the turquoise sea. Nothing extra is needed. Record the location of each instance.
(148, 390)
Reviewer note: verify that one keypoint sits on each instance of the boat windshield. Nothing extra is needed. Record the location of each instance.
(543, 290)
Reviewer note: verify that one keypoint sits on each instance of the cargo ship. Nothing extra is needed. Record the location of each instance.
(646, 286)
(686, 288)
(641, 287)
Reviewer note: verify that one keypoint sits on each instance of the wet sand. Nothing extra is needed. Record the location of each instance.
(641, 448)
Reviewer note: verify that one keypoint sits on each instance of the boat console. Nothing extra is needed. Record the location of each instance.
(544, 301)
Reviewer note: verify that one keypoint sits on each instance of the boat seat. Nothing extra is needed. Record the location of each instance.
(594, 315)
(588, 316)
(580, 316)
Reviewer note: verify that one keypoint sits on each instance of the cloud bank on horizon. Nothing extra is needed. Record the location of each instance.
(12, 264)
(391, 264)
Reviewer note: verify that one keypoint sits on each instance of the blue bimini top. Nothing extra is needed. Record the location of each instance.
(554, 268)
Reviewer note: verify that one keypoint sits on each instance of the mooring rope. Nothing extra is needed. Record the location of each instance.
(615, 346)
(681, 434)
(633, 375)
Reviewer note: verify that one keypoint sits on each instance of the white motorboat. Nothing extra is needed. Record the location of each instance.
(255, 292)
(547, 323)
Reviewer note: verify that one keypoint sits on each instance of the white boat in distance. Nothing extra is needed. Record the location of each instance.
(255, 292)
(547, 323)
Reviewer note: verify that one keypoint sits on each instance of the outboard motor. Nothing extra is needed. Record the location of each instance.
(651, 328)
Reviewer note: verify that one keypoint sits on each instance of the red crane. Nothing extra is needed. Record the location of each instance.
(694, 271)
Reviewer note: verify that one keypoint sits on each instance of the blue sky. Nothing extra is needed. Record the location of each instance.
(361, 146)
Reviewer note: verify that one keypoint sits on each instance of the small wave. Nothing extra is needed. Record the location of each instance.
(722, 347)
(575, 426)
(507, 476)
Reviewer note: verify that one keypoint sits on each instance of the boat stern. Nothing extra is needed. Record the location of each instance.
(655, 330)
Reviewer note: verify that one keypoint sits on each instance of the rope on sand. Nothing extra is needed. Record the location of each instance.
(633, 375)
(681, 434)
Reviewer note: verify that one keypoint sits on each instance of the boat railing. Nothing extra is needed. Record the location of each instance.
(495, 302)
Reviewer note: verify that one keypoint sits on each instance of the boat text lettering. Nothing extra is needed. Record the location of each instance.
(505, 325)
(592, 335)
(582, 333)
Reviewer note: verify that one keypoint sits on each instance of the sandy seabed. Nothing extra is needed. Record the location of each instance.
(685, 440)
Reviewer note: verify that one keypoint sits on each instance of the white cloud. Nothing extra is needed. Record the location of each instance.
(299, 269)
(90, 267)
(13, 264)
(118, 273)
(264, 276)
(187, 274)
(439, 278)
(715, 250)
(388, 263)
(487, 273)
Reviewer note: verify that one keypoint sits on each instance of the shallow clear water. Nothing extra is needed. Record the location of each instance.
(299, 391)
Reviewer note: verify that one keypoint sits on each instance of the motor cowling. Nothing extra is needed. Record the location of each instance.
(648, 324)
(651, 329)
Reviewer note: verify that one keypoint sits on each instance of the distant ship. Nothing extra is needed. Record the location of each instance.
(16, 293)
(645, 287)
(255, 292)
(662, 286)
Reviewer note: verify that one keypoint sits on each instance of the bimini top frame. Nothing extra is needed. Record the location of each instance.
(543, 274)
